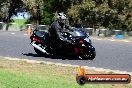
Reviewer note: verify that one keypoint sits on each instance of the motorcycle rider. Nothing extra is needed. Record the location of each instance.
(56, 29)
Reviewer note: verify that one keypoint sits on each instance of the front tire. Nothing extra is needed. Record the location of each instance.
(88, 55)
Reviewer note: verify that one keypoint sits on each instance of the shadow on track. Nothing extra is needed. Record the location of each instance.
(52, 56)
(31, 54)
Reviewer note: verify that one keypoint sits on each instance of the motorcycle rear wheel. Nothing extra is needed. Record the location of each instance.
(39, 52)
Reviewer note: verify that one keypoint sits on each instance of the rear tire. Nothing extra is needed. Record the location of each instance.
(39, 52)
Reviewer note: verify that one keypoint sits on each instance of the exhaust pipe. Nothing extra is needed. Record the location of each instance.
(39, 48)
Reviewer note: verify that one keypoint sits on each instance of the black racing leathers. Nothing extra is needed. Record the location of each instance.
(55, 33)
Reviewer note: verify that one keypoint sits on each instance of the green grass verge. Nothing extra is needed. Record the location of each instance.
(20, 22)
(20, 74)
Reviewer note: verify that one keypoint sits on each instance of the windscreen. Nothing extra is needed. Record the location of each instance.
(79, 33)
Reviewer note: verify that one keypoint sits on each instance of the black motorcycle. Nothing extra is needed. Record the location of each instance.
(80, 47)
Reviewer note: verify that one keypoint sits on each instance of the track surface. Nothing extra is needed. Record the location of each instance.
(113, 55)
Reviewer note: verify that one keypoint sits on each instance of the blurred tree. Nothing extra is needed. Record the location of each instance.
(9, 8)
(4, 7)
(112, 14)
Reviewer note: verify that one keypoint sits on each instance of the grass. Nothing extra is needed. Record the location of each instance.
(20, 22)
(21, 80)
(20, 74)
(110, 72)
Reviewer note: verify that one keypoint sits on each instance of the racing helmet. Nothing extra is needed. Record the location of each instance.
(61, 17)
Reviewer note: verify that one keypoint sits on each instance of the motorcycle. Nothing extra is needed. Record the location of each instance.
(81, 46)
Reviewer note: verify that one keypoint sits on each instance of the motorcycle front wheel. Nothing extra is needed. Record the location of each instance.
(88, 55)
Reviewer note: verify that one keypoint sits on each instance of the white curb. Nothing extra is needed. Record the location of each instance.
(69, 65)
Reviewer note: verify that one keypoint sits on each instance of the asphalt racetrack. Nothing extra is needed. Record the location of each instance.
(113, 55)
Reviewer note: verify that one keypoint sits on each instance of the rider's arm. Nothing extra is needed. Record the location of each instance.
(68, 27)
(59, 32)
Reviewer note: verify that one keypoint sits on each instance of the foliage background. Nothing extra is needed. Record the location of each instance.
(111, 14)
